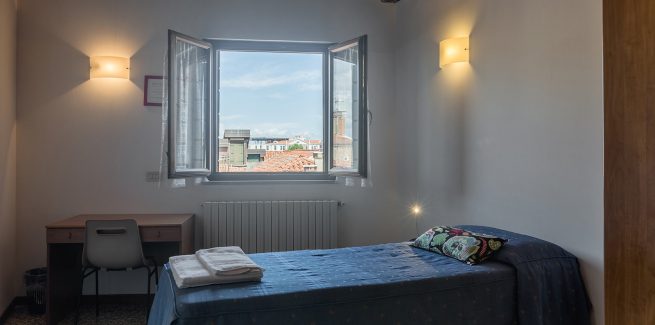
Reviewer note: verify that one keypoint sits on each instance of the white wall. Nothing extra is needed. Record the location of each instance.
(7, 151)
(515, 139)
(85, 145)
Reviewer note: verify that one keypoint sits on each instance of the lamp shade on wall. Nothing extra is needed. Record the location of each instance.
(416, 209)
(110, 67)
(453, 50)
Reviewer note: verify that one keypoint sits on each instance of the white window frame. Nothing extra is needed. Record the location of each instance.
(327, 50)
(275, 47)
(362, 135)
(175, 171)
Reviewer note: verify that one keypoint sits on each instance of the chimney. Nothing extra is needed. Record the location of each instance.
(339, 120)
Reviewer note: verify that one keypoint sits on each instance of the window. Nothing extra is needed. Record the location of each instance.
(348, 107)
(189, 106)
(259, 110)
(270, 110)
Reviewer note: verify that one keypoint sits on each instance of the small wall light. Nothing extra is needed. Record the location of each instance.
(416, 209)
(110, 67)
(453, 50)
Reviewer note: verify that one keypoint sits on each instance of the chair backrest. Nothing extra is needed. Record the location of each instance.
(113, 244)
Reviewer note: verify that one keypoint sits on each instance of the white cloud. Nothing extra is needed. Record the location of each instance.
(265, 79)
(273, 129)
(231, 117)
(278, 96)
(272, 132)
(313, 86)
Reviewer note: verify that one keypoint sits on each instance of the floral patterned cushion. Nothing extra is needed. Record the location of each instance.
(469, 247)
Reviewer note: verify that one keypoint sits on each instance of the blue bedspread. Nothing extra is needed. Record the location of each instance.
(550, 289)
(532, 282)
(392, 283)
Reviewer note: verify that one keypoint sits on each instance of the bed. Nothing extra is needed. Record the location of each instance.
(530, 281)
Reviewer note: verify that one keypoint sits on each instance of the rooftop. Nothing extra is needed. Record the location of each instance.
(236, 134)
(285, 161)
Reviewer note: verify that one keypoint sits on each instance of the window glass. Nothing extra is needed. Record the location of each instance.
(270, 112)
(345, 109)
(189, 105)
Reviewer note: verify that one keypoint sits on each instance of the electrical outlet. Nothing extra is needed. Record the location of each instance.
(152, 177)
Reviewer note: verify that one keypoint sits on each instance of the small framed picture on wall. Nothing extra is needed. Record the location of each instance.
(153, 90)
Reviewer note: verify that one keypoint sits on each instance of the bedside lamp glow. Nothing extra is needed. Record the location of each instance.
(416, 209)
(453, 50)
(110, 67)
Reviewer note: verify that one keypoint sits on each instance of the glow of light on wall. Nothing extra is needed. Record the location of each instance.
(416, 209)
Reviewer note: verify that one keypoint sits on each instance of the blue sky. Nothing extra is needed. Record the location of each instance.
(272, 94)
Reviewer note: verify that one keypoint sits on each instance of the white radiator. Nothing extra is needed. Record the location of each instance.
(270, 226)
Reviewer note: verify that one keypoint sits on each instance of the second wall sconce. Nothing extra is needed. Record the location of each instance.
(453, 50)
(110, 67)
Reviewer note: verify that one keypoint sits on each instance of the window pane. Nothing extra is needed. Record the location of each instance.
(271, 112)
(345, 109)
(189, 104)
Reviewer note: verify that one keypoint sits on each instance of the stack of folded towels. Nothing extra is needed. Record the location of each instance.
(218, 265)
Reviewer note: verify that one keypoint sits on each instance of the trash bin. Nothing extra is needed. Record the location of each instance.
(35, 285)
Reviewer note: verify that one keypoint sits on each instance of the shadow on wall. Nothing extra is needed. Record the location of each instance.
(452, 86)
(54, 72)
(450, 93)
(442, 108)
(61, 67)
(149, 59)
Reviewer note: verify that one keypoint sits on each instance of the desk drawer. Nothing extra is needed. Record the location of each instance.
(155, 234)
(65, 236)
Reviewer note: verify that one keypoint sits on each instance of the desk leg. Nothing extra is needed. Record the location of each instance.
(186, 240)
(64, 267)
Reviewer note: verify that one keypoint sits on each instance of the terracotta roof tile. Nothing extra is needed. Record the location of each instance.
(277, 162)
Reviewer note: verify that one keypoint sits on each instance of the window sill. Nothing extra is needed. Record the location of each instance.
(269, 182)
(270, 179)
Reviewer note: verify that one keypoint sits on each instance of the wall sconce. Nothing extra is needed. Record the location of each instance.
(453, 50)
(110, 67)
(416, 209)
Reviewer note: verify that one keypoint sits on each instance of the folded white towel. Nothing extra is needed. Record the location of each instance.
(226, 261)
(189, 272)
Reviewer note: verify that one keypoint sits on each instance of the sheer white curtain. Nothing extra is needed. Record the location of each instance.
(191, 101)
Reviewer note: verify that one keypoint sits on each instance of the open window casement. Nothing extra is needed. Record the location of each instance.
(348, 108)
(193, 118)
(189, 102)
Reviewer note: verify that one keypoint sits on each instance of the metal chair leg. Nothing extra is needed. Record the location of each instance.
(156, 275)
(149, 276)
(148, 294)
(155, 269)
(79, 298)
(97, 294)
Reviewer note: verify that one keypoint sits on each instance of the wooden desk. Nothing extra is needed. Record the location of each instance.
(66, 237)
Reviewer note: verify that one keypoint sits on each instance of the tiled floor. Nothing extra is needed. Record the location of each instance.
(109, 314)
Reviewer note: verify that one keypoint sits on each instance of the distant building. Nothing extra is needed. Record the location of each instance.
(343, 144)
(238, 152)
(318, 161)
(223, 152)
(314, 145)
(306, 144)
(269, 144)
(283, 144)
(255, 157)
(235, 145)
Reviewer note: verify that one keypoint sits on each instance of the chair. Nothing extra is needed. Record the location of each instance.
(113, 245)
